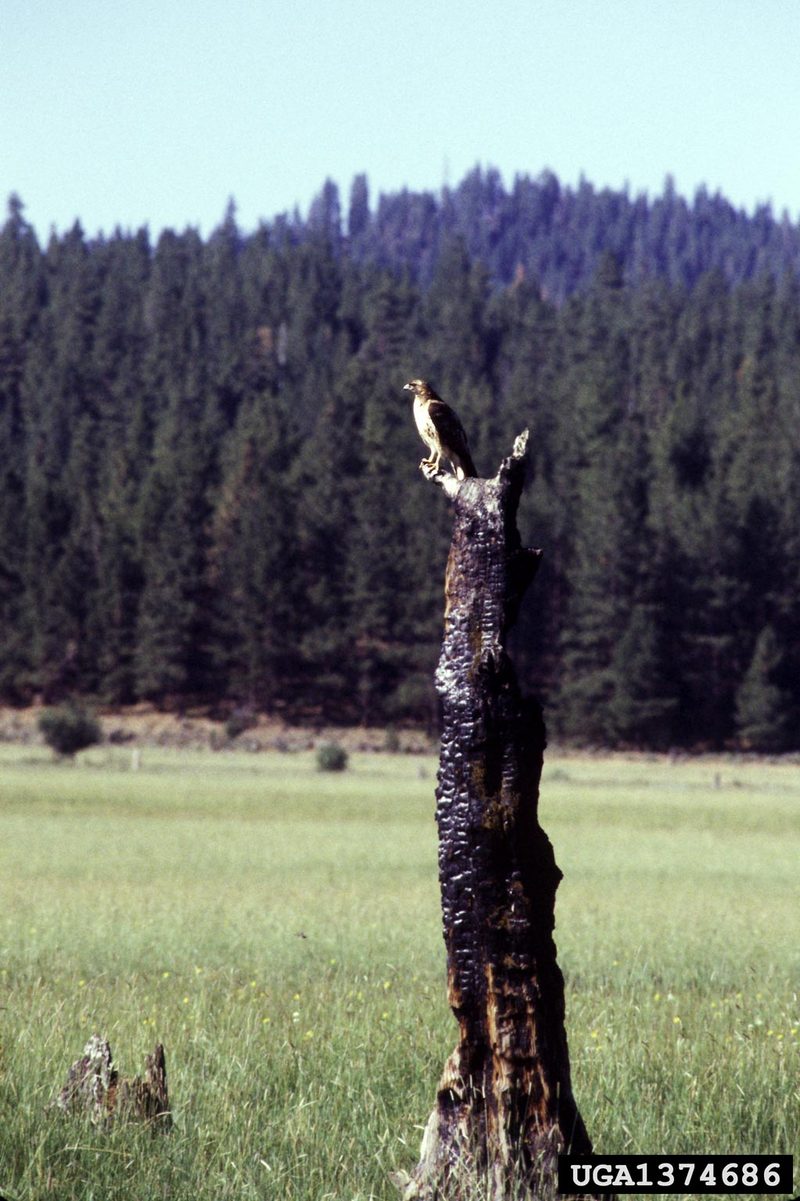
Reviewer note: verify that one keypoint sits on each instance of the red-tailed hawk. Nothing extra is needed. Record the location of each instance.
(440, 430)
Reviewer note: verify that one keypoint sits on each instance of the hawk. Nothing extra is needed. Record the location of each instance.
(440, 430)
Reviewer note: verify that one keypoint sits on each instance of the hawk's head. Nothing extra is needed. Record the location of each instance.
(420, 388)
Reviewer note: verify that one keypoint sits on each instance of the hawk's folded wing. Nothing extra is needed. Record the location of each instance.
(451, 435)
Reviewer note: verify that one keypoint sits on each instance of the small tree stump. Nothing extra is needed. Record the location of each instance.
(94, 1089)
(504, 1107)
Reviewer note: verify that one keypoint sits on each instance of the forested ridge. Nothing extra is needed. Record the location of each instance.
(209, 490)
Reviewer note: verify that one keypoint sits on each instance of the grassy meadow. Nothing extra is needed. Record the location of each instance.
(278, 930)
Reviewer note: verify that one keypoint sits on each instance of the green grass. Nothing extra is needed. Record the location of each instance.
(278, 929)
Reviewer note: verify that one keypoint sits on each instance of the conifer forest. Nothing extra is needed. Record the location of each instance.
(209, 484)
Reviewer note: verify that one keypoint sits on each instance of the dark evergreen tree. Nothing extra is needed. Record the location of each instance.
(322, 478)
(253, 536)
(228, 322)
(325, 218)
(174, 653)
(608, 507)
(763, 706)
(22, 298)
(641, 711)
(358, 212)
(380, 560)
(118, 581)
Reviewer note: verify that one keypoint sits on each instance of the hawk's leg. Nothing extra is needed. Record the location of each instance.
(433, 462)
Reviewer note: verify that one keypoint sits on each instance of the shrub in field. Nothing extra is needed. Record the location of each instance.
(331, 757)
(392, 743)
(69, 729)
(239, 721)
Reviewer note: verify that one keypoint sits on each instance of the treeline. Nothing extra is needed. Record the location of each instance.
(555, 234)
(208, 469)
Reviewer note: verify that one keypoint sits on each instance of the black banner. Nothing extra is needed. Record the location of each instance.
(678, 1174)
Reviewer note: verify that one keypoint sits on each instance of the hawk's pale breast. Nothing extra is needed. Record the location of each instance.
(427, 430)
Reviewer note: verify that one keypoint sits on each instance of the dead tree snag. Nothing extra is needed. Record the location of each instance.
(94, 1089)
(504, 1107)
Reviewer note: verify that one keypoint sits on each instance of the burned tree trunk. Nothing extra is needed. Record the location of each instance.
(94, 1089)
(504, 1108)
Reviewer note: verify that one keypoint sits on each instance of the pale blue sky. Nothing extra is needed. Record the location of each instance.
(155, 112)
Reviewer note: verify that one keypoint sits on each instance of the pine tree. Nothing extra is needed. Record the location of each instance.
(325, 218)
(322, 479)
(603, 459)
(229, 327)
(255, 602)
(22, 295)
(763, 707)
(641, 711)
(379, 570)
(525, 373)
(119, 579)
(358, 211)
(175, 316)
(174, 653)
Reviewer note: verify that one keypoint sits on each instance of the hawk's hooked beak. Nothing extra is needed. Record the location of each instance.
(408, 387)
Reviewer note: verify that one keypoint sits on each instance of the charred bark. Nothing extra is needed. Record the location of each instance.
(94, 1089)
(504, 1107)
